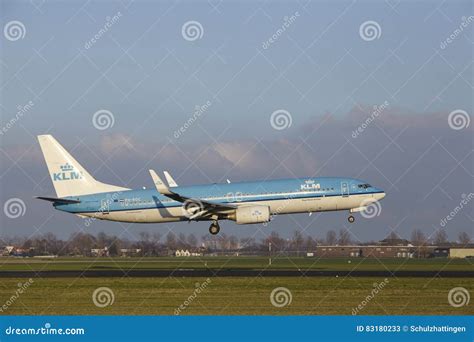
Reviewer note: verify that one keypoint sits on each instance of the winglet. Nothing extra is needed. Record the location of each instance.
(160, 186)
(170, 180)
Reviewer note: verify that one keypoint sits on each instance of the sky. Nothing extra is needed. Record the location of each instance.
(242, 90)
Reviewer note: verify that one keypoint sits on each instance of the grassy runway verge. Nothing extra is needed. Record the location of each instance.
(233, 296)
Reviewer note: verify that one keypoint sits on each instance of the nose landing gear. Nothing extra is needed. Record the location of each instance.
(351, 219)
(214, 228)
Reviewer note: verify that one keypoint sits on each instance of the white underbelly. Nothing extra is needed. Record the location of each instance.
(285, 206)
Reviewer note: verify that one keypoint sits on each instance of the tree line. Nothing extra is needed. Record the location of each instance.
(156, 244)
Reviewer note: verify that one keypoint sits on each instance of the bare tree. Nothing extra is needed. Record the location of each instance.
(171, 243)
(440, 237)
(331, 238)
(344, 237)
(309, 244)
(192, 241)
(297, 241)
(277, 242)
(418, 238)
(182, 241)
(464, 238)
(233, 242)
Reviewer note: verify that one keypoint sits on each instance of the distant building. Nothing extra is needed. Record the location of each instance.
(454, 250)
(100, 251)
(125, 252)
(461, 252)
(377, 251)
(186, 253)
(395, 242)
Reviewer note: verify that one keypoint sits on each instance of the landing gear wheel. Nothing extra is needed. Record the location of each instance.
(351, 219)
(214, 228)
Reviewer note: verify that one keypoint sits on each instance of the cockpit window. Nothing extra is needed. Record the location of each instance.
(364, 186)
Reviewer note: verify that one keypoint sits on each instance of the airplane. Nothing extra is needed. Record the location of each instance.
(243, 202)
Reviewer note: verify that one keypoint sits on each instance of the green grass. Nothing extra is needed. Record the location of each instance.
(231, 296)
(26, 264)
(235, 295)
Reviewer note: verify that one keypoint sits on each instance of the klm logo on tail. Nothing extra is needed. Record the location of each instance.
(67, 173)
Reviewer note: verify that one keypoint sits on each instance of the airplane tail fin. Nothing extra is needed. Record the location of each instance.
(68, 176)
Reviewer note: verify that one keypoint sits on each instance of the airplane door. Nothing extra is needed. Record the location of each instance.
(105, 205)
(345, 189)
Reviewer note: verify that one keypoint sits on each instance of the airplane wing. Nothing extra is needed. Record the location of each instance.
(58, 200)
(197, 206)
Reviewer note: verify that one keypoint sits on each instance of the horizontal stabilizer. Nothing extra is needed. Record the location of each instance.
(58, 200)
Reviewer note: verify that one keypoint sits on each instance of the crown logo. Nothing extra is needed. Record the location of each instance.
(66, 167)
(309, 181)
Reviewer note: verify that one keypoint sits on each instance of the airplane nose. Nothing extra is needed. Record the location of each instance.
(380, 195)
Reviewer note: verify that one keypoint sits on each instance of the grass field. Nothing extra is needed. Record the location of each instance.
(235, 295)
(338, 264)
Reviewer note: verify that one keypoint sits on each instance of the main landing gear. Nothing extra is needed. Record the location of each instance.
(214, 228)
(351, 219)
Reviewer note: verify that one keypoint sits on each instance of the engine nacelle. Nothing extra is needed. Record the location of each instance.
(251, 214)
